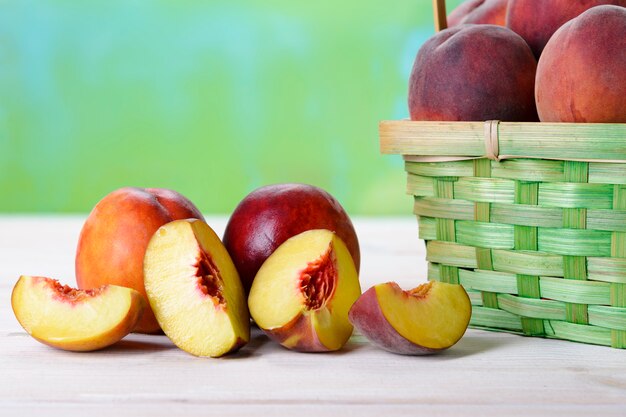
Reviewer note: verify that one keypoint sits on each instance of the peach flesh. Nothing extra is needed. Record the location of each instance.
(377, 329)
(209, 280)
(427, 319)
(421, 291)
(317, 285)
(302, 293)
(72, 319)
(194, 289)
(318, 281)
(65, 293)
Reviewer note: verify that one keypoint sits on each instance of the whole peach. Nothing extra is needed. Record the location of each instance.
(536, 21)
(270, 215)
(114, 238)
(480, 12)
(581, 75)
(473, 73)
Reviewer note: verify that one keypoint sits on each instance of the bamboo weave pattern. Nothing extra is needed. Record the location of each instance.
(540, 245)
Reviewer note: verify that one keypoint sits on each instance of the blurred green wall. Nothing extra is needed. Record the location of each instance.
(211, 98)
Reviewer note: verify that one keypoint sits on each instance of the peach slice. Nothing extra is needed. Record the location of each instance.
(194, 289)
(427, 319)
(114, 238)
(302, 293)
(71, 319)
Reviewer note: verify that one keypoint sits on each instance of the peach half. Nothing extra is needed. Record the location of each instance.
(71, 319)
(194, 289)
(427, 319)
(302, 293)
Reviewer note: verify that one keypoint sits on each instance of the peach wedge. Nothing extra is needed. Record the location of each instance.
(427, 319)
(194, 289)
(71, 319)
(303, 291)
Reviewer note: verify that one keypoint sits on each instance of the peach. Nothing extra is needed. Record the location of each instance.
(302, 293)
(194, 289)
(427, 319)
(581, 75)
(536, 21)
(479, 12)
(270, 215)
(113, 240)
(71, 319)
(473, 73)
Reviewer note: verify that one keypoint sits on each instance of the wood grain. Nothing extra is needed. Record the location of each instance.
(486, 374)
(439, 9)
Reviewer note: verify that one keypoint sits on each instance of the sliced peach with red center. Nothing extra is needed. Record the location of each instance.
(194, 289)
(72, 319)
(303, 291)
(423, 320)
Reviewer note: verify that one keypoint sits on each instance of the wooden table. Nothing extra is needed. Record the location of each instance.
(485, 374)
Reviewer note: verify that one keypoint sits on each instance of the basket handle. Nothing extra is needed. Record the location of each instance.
(441, 22)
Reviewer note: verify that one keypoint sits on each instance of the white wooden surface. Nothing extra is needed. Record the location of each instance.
(485, 374)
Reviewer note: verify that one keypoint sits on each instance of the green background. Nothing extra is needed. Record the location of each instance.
(212, 99)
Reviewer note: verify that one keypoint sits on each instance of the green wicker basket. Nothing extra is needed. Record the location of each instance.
(536, 232)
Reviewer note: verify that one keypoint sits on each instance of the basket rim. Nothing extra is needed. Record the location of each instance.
(441, 141)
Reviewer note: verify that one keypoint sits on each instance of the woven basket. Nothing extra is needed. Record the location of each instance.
(529, 217)
(536, 233)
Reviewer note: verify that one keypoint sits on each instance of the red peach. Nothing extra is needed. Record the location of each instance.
(536, 21)
(480, 12)
(473, 73)
(581, 76)
(114, 238)
(270, 215)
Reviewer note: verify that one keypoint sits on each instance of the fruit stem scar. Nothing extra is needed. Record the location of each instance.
(209, 279)
(318, 280)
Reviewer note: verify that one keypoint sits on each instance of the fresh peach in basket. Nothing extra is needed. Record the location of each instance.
(427, 319)
(480, 12)
(581, 76)
(113, 241)
(270, 215)
(71, 319)
(473, 73)
(537, 20)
